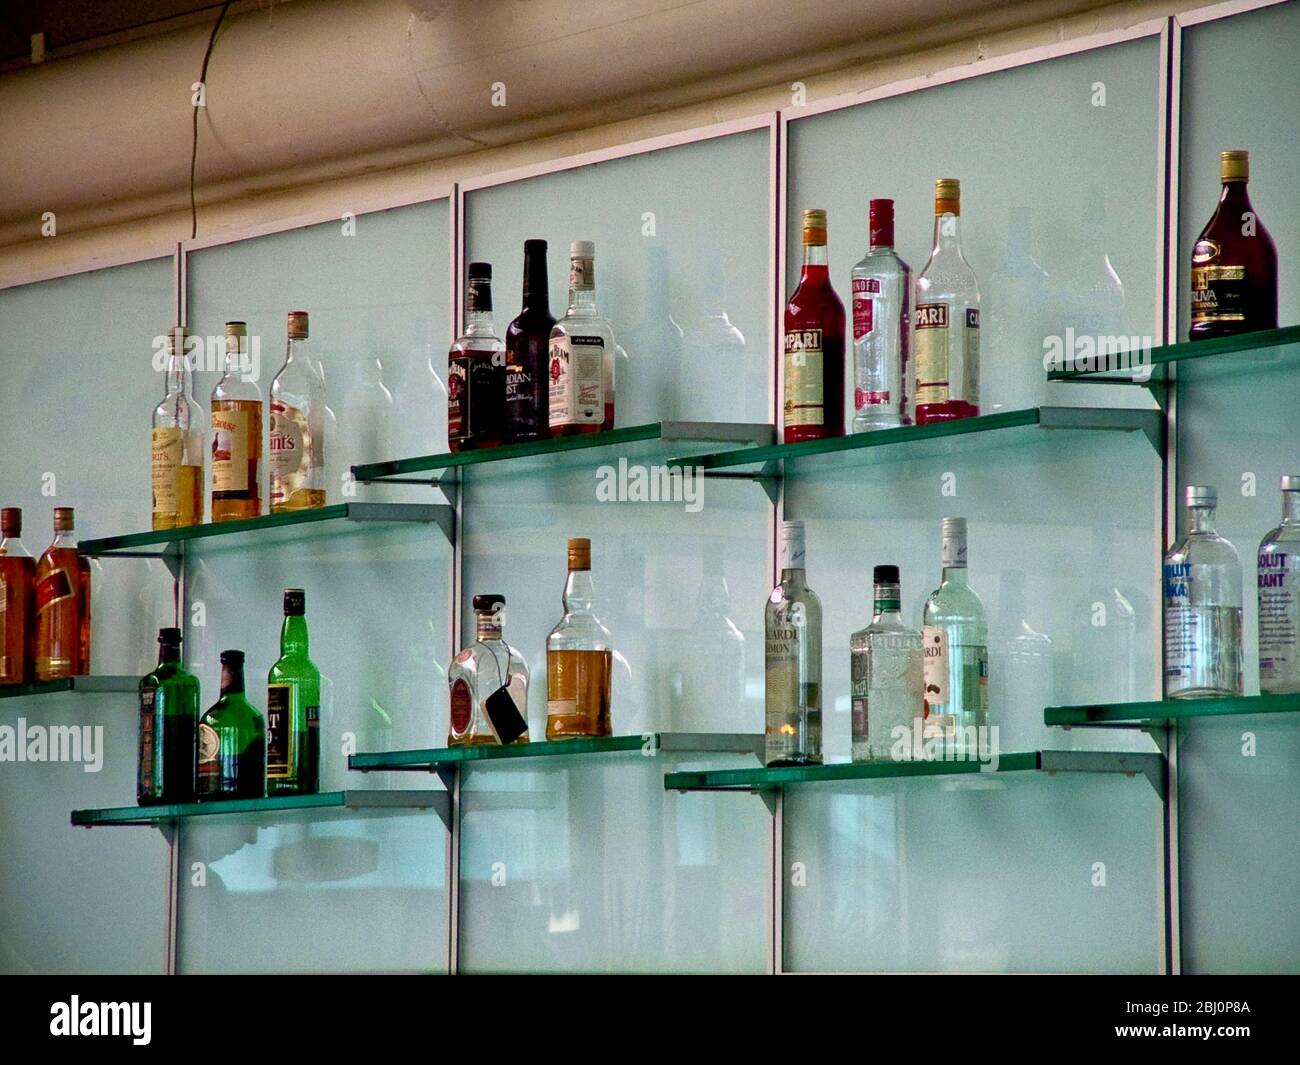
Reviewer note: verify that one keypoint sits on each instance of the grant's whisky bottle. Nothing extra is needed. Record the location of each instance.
(579, 658)
(293, 708)
(169, 725)
(297, 437)
(62, 605)
(1234, 262)
(232, 740)
(17, 611)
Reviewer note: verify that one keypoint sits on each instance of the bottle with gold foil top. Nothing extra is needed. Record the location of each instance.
(579, 658)
(62, 605)
(177, 445)
(814, 344)
(297, 438)
(17, 608)
(946, 320)
(237, 433)
(1234, 262)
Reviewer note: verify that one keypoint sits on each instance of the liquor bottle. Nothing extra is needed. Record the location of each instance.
(1202, 593)
(793, 660)
(236, 434)
(581, 354)
(1279, 597)
(882, 294)
(955, 647)
(489, 683)
(169, 725)
(17, 606)
(296, 440)
(946, 320)
(476, 371)
(528, 339)
(1234, 262)
(887, 677)
(814, 344)
(62, 605)
(293, 708)
(232, 740)
(177, 445)
(579, 658)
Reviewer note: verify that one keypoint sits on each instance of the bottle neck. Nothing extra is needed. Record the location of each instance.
(64, 539)
(886, 603)
(13, 546)
(536, 284)
(1291, 507)
(816, 264)
(582, 296)
(1233, 196)
(947, 233)
(1200, 519)
(232, 679)
(168, 652)
(293, 635)
(296, 349)
(178, 374)
(478, 323)
(487, 626)
(579, 592)
(954, 574)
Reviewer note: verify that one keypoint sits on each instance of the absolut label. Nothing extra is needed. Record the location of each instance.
(1279, 620)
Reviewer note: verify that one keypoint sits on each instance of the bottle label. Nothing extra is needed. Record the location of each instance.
(168, 450)
(231, 430)
(148, 700)
(291, 451)
(865, 291)
(577, 371)
(805, 382)
(971, 358)
(53, 588)
(462, 707)
(1279, 620)
(209, 760)
(279, 730)
(954, 552)
(457, 399)
(931, 353)
(582, 274)
(1219, 293)
(934, 662)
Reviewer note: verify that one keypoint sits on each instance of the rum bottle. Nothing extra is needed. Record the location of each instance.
(579, 658)
(177, 445)
(489, 683)
(527, 342)
(814, 344)
(882, 294)
(476, 371)
(169, 725)
(236, 434)
(793, 660)
(17, 607)
(946, 320)
(232, 740)
(955, 648)
(293, 708)
(297, 429)
(1234, 262)
(886, 677)
(62, 605)
(1279, 597)
(581, 354)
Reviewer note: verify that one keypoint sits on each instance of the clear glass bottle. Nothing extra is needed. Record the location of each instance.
(476, 371)
(169, 724)
(1202, 594)
(17, 605)
(489, 683)
(882, 295)
(232, 740)
(579, 658)
(297, 437)
(293, 707)
(177, 441)
(236, 434)
(793, 659)
(581, 354)
(955, 641)
(1279, 597)
(946, 320)
(62, 604)
(887, 683)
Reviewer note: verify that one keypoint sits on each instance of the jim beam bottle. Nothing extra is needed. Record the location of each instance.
(1234, 262)
(177, 440)
(236, 433)
(297, 441)
(476, 371)
(814, 344)
(62, 605)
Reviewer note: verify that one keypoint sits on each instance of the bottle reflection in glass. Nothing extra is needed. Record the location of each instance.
(489, 683)
(579, 658)
(793, 659)
(882, 293)
(62, 604)
(232, 740)
(713, 673)
(17, 605)
(1279, 597)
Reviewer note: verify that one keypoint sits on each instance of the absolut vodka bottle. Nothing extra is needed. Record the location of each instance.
(1202, 593)
(1279, 597)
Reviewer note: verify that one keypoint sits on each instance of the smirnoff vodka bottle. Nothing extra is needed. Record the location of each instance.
(882, 292)
(1279, 596)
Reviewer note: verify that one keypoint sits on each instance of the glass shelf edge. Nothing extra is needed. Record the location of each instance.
(1162, 710)
(1184, 351)
(85, 685)
(167, 814)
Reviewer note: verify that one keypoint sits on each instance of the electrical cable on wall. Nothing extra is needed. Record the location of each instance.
(194, 143)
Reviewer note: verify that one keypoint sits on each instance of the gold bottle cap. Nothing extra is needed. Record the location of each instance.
(176, 339)
(236, 338)
(814, 226)
(579, 553)
(1234, 166)
(63, 519)
(236, 329)
(297, 325)
(947, 196)
(11, 521)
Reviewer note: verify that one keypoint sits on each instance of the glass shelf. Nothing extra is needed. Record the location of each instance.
(170, 814)
(657, 440)
(918, 441)
(1261, 344)
(269, 528)
(85, 685)
(770, 779)
(1159, 711)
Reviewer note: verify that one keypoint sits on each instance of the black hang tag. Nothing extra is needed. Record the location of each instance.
(506, 720)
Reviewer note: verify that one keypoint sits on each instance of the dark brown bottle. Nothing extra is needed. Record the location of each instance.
(527, 340)
(1234, 262)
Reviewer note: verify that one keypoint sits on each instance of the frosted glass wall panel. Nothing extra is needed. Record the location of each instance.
(588, 865)
(1058, 169)
(1238, 784)
(682, 269)
(74, 414)
(990, 874)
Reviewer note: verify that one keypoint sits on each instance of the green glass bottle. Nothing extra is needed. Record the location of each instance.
(169, 723)
(232, 740)
(293, 708)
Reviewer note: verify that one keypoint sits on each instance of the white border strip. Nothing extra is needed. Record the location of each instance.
(1224, 10)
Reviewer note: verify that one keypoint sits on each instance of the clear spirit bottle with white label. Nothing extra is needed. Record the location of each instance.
(955, 636)
(887, 677)
(793, 662)
(1202, 595)
(882, 294)
(1279, 597)
(582, 354)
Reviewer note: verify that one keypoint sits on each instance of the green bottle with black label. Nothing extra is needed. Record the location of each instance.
(169, 723)
(293, 708)
(232, 740)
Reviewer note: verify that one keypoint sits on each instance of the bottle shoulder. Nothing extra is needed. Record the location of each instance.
(1286, 535)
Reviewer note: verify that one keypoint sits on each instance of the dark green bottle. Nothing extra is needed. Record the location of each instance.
(232, 740)
(293, 708)
(169, 723)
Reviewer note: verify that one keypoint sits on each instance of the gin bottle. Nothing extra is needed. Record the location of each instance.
(1202, 593)
(956, 649)
(882, 292)
(793, 673)
(1279, 596)
(886, 670)
(489, 683)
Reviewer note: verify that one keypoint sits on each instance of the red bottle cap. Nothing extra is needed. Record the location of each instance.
(882, 223)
